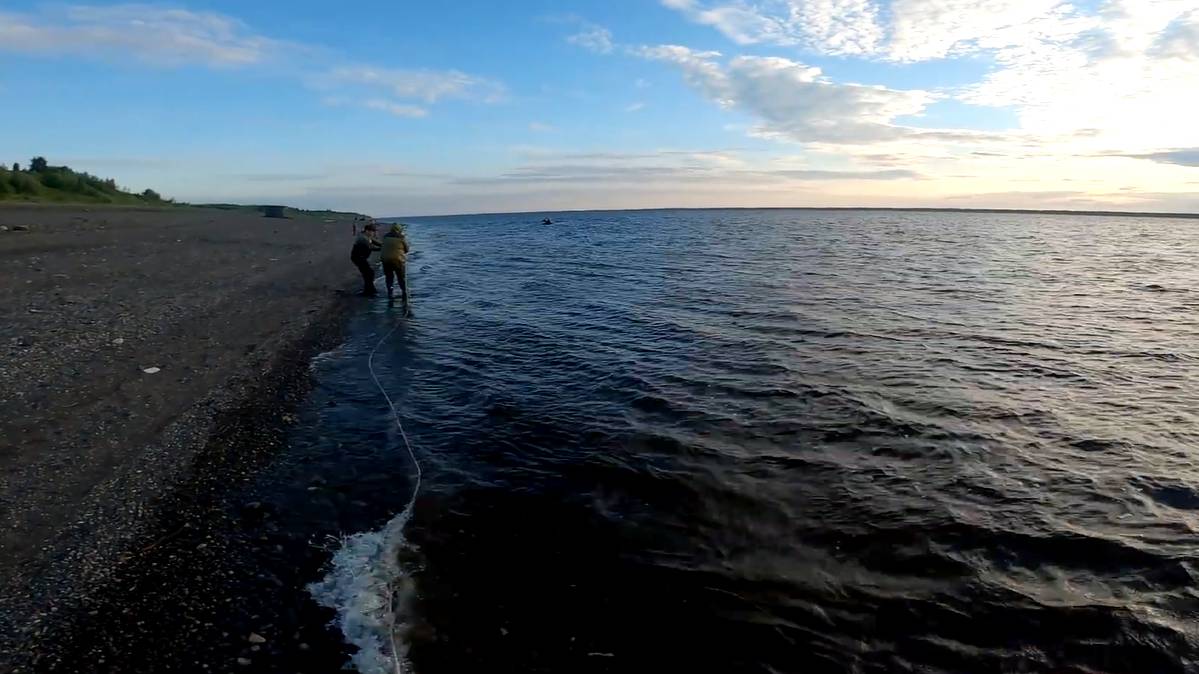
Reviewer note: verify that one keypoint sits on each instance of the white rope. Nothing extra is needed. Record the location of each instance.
(407, 512)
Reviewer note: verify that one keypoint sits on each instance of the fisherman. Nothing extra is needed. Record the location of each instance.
(395, 259)
(360, 255)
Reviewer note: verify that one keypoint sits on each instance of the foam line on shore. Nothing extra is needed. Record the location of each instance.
(367, 585)
(369, 589)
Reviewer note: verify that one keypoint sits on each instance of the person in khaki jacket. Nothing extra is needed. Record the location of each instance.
(395, 259)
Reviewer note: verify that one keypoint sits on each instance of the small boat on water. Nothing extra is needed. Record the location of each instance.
(547, 221)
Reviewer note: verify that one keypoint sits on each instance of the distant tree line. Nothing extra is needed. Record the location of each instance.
(42, 182)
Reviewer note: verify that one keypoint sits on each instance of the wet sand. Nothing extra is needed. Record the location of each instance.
(102, 464)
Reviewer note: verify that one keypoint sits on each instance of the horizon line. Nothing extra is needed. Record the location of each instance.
(904, 209)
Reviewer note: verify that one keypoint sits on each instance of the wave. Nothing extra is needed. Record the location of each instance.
(371, 591)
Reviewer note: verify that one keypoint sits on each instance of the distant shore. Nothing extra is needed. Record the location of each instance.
(1121, 214)
(149, 354)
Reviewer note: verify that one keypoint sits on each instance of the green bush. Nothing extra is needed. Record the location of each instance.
(43, 182)
(23, 183)
(55, 180)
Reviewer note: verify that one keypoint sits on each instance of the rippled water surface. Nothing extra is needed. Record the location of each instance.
(786, 441)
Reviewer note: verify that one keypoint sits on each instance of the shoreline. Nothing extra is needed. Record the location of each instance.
(106, 470)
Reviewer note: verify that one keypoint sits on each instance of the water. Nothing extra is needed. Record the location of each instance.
(772, 441)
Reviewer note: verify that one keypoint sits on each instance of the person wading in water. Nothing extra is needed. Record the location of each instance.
(395, 261)
(360, 255)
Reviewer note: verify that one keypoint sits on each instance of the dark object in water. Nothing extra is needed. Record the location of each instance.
(547, 221)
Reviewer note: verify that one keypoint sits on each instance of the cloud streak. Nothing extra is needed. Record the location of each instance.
(396, 109)
(167, 37)
(429, 86)
(156, 36)
(668, 167)
(1183, 157)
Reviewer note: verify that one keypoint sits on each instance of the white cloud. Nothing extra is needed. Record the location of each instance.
(1180, 39)
(391, 107)
(402, 92)
(429, 86)
(594, 38)
(397, 109)
(541, 127)
(931, 29)
(847, 27)
(634, 107)
(154, 35)
(920, 30)
(1133, 26)
(904, 30)
(794, 101)
(1122, 71)
(1126, 72)
(839, 26)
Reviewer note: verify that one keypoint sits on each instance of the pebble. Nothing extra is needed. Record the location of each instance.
(244, 662)
(256, 638)
(20, 228)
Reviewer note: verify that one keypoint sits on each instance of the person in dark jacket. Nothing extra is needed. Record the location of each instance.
(360, 255)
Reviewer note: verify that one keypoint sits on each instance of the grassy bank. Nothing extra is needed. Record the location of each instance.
(40, 182)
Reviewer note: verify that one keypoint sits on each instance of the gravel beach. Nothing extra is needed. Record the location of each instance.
(149, 357)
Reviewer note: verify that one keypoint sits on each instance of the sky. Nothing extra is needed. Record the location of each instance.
(459, 106)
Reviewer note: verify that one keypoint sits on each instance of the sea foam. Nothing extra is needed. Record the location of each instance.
(370, 590)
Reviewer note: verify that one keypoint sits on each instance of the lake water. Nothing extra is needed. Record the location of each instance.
(773, 441)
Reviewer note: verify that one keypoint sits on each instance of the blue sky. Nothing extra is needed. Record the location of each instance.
(463, 106)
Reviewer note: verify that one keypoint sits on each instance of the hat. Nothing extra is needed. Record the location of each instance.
(397, 228)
